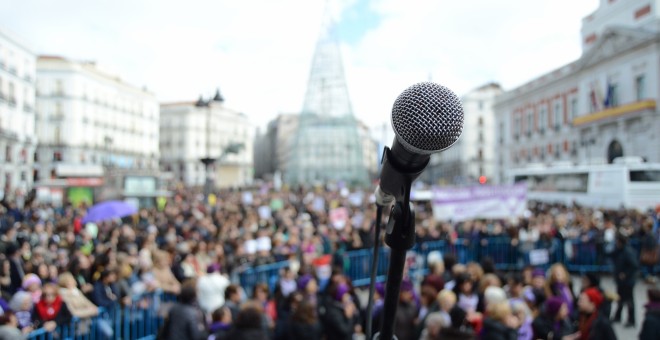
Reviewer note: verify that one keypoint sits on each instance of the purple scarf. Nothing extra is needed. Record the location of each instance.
(565, 294)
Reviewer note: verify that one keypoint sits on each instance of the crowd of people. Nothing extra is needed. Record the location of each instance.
(54, 268)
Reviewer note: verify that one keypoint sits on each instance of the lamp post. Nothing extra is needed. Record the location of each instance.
(209, 160)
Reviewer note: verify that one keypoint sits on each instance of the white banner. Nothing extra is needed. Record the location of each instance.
(483, 201)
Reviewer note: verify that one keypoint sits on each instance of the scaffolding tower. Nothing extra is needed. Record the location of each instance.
(327, 146)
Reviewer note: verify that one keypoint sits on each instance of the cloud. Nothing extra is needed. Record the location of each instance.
(259, 52)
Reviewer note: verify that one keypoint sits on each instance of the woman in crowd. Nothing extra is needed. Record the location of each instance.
(185, 320)
(21, 304)
(9, 327)
(221, 323)
(651, 325)
(342, 314)
(163, 273)
(593, 325)
(554, 323)
(248, 324)
(305, 322)
(32, 285)
(559, 285)
(77, 303)
(468, 299)
(500, 323)
(51, 311)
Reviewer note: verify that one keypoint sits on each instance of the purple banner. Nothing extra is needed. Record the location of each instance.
(491, 202)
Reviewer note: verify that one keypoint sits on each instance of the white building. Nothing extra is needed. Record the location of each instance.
(473, 155)
(190, 131)
(87, 119)
(17, 132)
(597, 108)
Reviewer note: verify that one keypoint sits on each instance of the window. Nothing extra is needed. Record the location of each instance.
(574, 109)
(557, 115)
(59, 87)
(517, 126)
(530, 122)
(640, 87)
(57, 156)
(8, 153)
(614, 95)
(645, 175)
(480, 154)
(11, 95)
(480, 121)
(543, 118)
(481, 136)
(481, 105)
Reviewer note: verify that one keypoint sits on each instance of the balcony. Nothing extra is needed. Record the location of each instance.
(615, 112)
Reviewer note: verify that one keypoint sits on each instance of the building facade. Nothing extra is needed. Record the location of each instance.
(191, 131)
(274, 147)
(473, 155)
(89, 120)
(18, 139)
(600, 107)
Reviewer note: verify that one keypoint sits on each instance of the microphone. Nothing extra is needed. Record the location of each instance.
(426, 118)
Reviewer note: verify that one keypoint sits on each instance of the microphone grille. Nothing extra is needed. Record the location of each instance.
(427, 118)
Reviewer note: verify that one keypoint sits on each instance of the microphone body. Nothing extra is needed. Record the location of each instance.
(427, 118)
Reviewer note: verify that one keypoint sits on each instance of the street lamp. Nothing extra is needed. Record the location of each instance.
(209, 160)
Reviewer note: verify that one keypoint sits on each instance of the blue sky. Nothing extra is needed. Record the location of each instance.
(259, 51)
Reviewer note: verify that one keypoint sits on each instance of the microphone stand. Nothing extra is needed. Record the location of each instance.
(400, 237)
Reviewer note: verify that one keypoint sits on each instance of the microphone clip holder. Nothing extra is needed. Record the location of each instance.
(400, 237)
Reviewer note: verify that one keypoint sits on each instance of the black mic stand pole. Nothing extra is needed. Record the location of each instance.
(400, 237)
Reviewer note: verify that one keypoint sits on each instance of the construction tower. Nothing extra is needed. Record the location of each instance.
(327, 146)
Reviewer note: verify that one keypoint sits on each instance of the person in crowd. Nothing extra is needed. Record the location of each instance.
(559, 285)
(433, 325)
(649, 252)
(32, 285)
(221, 323)
(77, 303)
(51, 311)
(625, 275)
(488, 281)
(261, 294)
(464, 289)
(404, 323)
(651, 325)
(248, 324)
(233, 300)
(592, 280)
(524, 315)
(21, 305)
(105, 292)
(9, 327)
(185, 320)
(308, 285)
(211, 289)
(163, 273)
(5, 277)
(305, 323)
(500, 323)
(342, 314)
(16, 271)
(460, 328)
(554, 323)
(592, 324)
(80, 268)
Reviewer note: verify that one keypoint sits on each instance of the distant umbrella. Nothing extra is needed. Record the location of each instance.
(109, 210)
